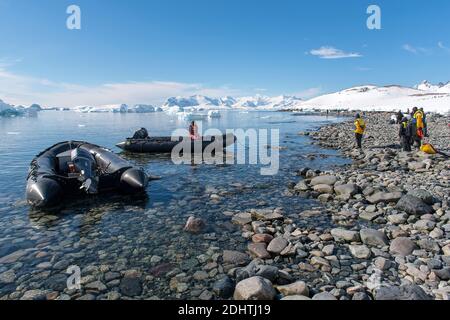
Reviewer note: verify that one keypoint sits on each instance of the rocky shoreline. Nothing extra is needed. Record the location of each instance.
(379, 230)
(391, 239)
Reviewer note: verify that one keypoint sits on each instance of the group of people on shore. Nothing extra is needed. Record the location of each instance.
(412, 128)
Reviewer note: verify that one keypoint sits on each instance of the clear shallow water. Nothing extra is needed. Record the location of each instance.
(116, 233)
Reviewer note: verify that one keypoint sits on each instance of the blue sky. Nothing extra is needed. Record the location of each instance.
(144, 50)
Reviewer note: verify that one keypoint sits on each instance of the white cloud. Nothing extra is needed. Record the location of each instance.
(442, 46)
(333, 53)
(416, 50)
(25, 90)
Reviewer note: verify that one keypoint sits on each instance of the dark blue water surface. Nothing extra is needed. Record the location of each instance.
(114, 233)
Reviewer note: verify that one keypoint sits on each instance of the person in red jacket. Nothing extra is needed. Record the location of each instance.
(193, 131)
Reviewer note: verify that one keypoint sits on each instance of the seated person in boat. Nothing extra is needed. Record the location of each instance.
(142, 133)
(193, 131)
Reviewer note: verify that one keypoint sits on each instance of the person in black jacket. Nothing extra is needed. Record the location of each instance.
(142, 133)
(405, 134)
(399, 116)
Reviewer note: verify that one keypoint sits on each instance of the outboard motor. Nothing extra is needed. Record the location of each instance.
(84, 163)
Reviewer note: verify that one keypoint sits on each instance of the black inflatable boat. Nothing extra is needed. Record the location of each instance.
(166, 145)
(76, 167)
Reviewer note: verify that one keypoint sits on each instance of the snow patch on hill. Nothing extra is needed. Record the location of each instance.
(387, 98)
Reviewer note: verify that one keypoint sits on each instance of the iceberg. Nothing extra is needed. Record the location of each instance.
(9, 110)
(119, 108)
(214, 114)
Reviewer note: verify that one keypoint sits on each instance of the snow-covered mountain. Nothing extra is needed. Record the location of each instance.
(258, 102)
(386, 98)
(435, 98)
(9, 110)
(439, 88)
(119, 108)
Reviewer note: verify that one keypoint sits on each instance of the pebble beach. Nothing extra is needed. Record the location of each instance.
(376, 228)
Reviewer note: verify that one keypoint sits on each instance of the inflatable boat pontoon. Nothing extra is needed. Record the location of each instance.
(166, 145)
(76, 167)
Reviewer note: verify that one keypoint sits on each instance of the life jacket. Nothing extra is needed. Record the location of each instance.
(428, 148)
(419, 119)
(360, 126)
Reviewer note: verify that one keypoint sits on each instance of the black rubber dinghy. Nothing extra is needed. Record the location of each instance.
(166, 145)
(74, 168)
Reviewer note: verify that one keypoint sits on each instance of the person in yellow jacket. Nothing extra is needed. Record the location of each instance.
(419, 126)
(360, 126)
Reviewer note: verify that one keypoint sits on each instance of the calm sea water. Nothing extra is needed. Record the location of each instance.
(140, 233)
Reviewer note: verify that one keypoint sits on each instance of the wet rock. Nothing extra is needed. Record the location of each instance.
(296, 298)
(224, 288)
(446, 250)
(160, 270)
(405, 292)
(443, 274)
(254, 288)
(382, 263)
(268, 272)
(429, 245)
(301, 186)
(34, 295)
(360, 296)
(386, 197)
(323, 296)
(423, 195)
(369, 216)
(87, 297)
(96, 286)
(424, 225)
(7, 277)
(346, 189)
(206, 295)
(297, 288)
(259, 250)
(416, 165)
(360, 251)
(131, 286)
(326, 179)
(277, 245)
(267, 214)
(109, 276)
(262, 238)
(323, 188)
(200, 275)
(57, 282)
(13, 257)
(397, 218)
(345, 235)
(402, 246)
(372, 237)
(235, 258)
(194, 225)
(242, 218)
(413, 206)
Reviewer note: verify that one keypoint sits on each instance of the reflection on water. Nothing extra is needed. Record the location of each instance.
(110, 234)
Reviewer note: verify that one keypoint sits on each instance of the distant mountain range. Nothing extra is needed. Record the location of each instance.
(435, 98)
